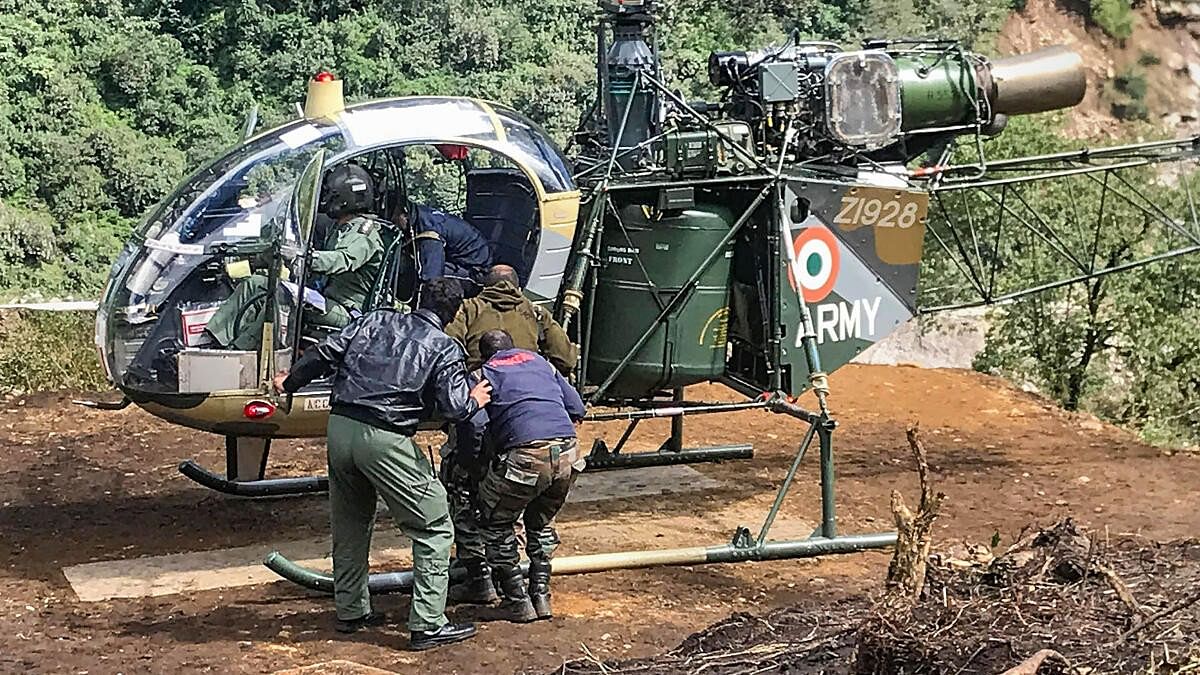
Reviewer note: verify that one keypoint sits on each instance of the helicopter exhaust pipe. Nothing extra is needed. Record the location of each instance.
(1047, 79)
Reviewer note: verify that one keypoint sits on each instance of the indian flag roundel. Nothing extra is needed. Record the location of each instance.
(816, 263)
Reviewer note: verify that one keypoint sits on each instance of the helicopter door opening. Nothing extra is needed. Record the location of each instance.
(483, 188)
(501, 204)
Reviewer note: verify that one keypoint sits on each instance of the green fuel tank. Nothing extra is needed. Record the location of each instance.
(643, 266)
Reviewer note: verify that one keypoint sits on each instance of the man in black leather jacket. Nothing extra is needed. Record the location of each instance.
(393, 371)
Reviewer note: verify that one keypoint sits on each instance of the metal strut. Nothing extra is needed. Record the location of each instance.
(743, 547)
(671, 452)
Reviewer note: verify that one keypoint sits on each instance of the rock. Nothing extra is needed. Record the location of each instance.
(1175, 61)
(1174, 11)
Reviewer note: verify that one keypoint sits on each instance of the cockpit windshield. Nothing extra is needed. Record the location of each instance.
(237, 198)
(231, 227)
(237, 204)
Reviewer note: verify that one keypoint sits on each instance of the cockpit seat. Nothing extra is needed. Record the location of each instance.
(502, 205)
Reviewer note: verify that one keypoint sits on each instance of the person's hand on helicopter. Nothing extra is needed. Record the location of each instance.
(289, 253)
(482, 393)
(277, 382)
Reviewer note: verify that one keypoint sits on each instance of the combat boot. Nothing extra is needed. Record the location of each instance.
(514, 600)
(477, 588)
(539, 587)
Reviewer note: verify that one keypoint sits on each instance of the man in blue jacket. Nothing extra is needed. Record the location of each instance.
(534, 460)
(446, 246)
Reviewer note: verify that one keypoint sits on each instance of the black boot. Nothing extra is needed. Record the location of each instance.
(477, 588)
(370, 620)
(420, 640)
(514, 605)
(539, 587)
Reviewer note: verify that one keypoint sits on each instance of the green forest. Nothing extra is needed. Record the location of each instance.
(106, 104)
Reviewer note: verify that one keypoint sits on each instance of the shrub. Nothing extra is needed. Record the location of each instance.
(1114, 17)
(42, 351)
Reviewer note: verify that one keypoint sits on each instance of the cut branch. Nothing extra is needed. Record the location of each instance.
(1185, 602)
(906, 573)
(1031, 665)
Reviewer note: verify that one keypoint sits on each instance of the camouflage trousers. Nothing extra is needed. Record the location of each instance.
(526, 485)
(461, 489)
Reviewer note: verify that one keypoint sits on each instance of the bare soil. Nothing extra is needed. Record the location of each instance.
(80, 486)
(1087, 602)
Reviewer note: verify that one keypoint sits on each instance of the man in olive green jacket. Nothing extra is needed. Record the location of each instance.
(501, 305)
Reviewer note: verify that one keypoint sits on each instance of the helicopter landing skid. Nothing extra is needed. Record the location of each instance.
(603, 458)
(743, 547)
(267, 487)
(671, 452)
(245, 468)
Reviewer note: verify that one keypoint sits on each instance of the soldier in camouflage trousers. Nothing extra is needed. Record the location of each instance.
(501, 306)
(532, 461)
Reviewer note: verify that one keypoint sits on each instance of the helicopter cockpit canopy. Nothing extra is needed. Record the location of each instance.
(250, 206)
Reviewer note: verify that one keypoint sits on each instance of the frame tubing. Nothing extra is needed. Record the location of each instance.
(392, 582)
(787, 485)
(684, 293)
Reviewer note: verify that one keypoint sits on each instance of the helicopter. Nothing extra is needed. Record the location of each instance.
(760, 240)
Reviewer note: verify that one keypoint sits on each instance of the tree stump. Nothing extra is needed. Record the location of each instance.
(906, 573)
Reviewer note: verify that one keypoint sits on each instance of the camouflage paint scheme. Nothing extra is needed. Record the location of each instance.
(872, 286)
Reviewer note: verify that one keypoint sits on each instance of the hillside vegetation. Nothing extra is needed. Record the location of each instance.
(108, 103)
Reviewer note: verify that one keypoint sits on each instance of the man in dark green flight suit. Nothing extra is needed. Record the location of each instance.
(392, 371)
(350, 261)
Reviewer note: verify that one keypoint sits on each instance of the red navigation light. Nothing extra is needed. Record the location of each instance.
(258, 410)
(324, 76)
(454, 153)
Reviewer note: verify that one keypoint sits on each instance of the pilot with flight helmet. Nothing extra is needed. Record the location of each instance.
(349, 261)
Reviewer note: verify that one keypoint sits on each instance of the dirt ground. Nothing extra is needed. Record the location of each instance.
(80, 486)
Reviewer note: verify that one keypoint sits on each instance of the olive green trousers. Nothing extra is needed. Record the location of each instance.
(365, 463)
(238, 322)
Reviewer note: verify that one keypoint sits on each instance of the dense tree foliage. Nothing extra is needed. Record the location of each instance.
(1121, 345)
(109, 102)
